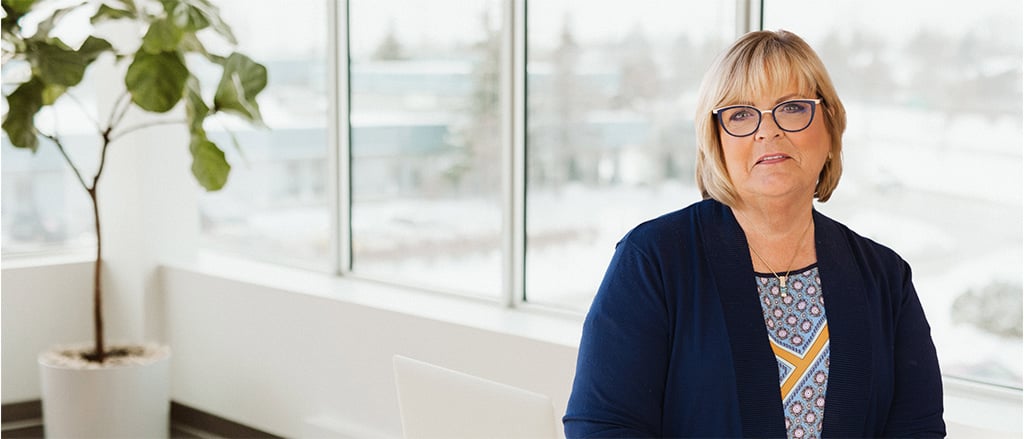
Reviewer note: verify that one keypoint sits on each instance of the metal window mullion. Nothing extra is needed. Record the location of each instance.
(517, 118)
(749, 16)
(756, 15)
(338, 132)
(511, 221)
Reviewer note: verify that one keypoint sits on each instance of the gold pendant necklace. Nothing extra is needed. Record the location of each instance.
(783, 279)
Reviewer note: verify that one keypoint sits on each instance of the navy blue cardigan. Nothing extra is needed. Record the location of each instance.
(675, 343)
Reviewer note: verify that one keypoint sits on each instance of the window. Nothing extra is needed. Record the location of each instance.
(610, 139)
(426, 143)
(274, 206)
(932, 158)
(45, 209)
(44, 206)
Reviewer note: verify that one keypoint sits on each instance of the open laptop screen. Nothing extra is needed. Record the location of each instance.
(436, 402)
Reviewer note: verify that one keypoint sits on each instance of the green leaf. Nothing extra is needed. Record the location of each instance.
(93, 47)
(23, 104)
(195, 109)
(156, 81)
(217, 59)
(238, 147)
(55, 63)
(212, 15)
(240, 82)
(232, 100)
(10, 24)
(11, 29)
(169, 4)
(106, 12)
(191, 43)
(162, 36)
(209, 166)
(189, 17)
(19, 6)
(52, 92)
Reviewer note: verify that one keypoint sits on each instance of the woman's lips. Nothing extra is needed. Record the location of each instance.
(771, 158)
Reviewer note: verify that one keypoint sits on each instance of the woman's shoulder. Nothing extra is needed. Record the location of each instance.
(668, 230)
(865, 247)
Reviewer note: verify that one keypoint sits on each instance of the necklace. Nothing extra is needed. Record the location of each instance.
(784, 278)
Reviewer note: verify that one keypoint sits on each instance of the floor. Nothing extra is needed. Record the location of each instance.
(24, 420)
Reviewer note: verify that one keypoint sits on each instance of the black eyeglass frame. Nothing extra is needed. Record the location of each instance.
(760, 115)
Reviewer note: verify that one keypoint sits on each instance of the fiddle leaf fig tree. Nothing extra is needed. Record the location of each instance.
(159, 76)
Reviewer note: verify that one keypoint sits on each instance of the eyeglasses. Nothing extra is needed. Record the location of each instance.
(744, 120)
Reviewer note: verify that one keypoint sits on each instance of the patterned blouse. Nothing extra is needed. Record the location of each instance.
(798, 332)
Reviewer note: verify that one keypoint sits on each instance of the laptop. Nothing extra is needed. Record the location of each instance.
(442, 403)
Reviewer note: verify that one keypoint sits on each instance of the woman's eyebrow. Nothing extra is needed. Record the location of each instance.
(777, 101)
(787, 97)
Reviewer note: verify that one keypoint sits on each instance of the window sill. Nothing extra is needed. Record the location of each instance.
(975, 409)
(532, 322)
(49, 259)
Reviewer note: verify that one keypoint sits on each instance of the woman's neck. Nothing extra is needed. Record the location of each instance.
(774, 220)
(780, 235)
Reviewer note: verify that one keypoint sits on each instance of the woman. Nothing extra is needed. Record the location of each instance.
(707, 314)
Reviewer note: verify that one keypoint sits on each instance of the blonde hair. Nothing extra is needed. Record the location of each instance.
(760, 62)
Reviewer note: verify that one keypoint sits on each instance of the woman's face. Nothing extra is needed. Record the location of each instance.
(772, 163)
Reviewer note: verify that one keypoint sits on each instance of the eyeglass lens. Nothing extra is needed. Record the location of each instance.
(790, 116)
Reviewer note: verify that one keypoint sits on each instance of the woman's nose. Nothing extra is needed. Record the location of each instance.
(768, 127)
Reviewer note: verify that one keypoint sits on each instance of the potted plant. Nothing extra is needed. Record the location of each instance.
(159, 76)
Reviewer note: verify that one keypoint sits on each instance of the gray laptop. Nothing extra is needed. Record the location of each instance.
(442, 403)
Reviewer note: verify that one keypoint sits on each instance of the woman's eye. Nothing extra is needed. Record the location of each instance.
(741, 115)
(794, 107)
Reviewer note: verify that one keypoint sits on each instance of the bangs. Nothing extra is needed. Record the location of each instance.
(767, 68)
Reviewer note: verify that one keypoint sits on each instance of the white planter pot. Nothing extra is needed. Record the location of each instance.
(128, 398)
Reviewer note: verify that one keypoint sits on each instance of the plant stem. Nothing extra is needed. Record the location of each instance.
(115, 115)
(97, 292)
(64, 153)
(82, 107)
(144, 126)
(97, 288)
(97, 298)
(103, 156)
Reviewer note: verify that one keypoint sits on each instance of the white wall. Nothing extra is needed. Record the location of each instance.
(307, 355)
(283, 360)
(41, 306)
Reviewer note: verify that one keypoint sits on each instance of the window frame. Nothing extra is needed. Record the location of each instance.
(513, 86)
(512, 96)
